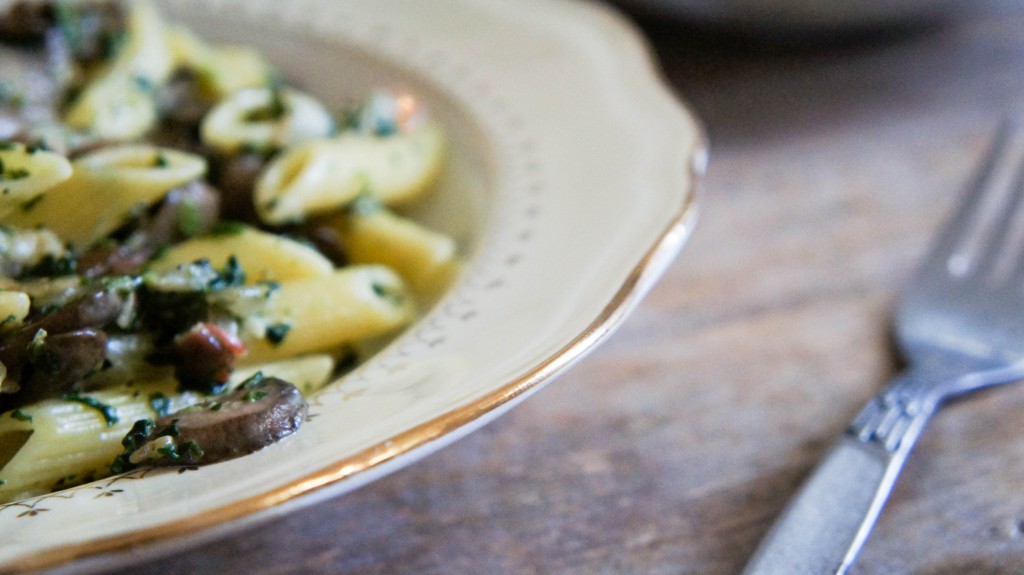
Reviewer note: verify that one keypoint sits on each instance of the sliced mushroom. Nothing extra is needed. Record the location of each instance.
(238, 423)
(188, 210)
(183, 102)
(95, 310)
(96, 24)
(119, 259)
(328, 241)
(235, 176)
(23, 21)
(58, 363)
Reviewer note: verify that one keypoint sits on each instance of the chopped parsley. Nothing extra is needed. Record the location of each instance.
(252, 381)
(273, 111)
(36, 347)
(386, 292)
(143, 439)
(160, 403)
(144, 84)
(30, 205)
(231, 276)
(15, 174)
(190, 219)
(364, 204)
(255, 395)
(170, 431)
(228, 228)
(9, 320)
(52, 266)
(277, 332)
(21, 415)
(12, 173)
(193, 450)
(109, 412)
(136, 437)
(189, 450)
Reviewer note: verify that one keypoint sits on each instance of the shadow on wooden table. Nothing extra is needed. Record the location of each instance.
(748, 88)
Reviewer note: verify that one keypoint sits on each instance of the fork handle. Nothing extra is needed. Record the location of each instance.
(827, 523)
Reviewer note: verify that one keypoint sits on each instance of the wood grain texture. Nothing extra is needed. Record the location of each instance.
(673, 447)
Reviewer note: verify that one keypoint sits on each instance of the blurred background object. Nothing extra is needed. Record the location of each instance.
(801, 16)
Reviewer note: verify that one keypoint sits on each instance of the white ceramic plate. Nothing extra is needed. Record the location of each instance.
(571, 187)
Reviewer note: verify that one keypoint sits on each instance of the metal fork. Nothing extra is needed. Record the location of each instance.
(960, 326)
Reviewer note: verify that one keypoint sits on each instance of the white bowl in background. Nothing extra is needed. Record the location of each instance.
(800, 15)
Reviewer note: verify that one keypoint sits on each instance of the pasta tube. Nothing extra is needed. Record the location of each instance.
(118, 104)
(27, 174)
(105, 187)
(373, 234)
(322, 314)
(306, 372)
(59, 443)
(263, 256)
(265, 119)
(324, 175)
(147, 53)
(14, 306)
(116, 108)
(222, 70)
(135, 305)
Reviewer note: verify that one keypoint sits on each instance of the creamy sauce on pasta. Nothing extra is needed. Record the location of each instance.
(188, 242)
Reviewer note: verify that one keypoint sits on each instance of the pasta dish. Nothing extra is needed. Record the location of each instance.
(189, 244)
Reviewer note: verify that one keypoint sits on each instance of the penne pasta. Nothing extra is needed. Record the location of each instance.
(25, 175)
(264, 119)
(307, 372)
(60, 443)
(323, 314)
(14, 307)
(118, 103)
(262, 256)
(116, 108)
(147, 51)
(154, 314)
(324, 175)
(222, 70)
(372, 234)
(104, 188)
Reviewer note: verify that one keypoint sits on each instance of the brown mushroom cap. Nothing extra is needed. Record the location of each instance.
(238, 423)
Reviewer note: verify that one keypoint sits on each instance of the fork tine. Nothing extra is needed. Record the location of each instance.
(1005, 240)
(957, 227)
(1016, 277)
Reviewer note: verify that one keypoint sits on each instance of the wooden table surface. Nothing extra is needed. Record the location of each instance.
(673, 447)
